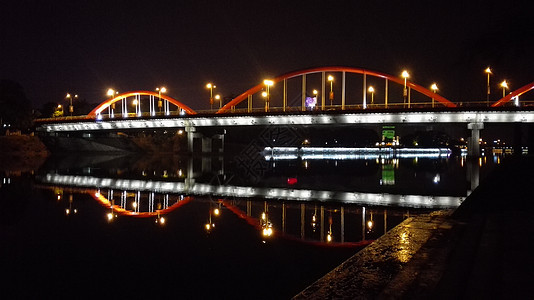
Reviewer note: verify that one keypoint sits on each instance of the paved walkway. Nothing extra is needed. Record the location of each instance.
(482, 250)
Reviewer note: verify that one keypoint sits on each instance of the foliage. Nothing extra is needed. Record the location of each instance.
(15, 108)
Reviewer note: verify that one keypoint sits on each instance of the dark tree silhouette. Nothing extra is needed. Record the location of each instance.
(15, 108)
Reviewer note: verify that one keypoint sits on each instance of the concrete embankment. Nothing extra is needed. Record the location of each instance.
(482, 250)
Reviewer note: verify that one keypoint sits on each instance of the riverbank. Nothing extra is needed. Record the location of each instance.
(481, 250)
(21, 153)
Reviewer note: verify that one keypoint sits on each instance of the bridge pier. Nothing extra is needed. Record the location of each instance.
(206, 142)
(473, 142)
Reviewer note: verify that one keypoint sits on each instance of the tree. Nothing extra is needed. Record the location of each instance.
(15, 108)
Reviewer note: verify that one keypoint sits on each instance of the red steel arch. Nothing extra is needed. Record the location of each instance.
(520, 91)
(414, 86)
(108, 102)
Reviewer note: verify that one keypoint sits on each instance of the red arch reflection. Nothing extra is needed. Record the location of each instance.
(256, 224)
(124, 212)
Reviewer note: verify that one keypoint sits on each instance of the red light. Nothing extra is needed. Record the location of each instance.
(292, 180)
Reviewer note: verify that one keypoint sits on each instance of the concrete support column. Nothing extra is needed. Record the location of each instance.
(190, 130)
(206, 144)
(221, 138)
(473, 174)
(190, 179)
(474, 146)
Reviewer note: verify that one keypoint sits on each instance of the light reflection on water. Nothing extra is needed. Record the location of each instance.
(203, 208)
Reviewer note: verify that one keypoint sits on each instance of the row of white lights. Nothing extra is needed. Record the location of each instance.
(247, 192)
(345, 118)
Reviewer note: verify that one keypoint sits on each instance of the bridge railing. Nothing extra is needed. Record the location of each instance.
(288, 109)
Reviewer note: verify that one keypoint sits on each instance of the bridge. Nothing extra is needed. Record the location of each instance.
(141, 110)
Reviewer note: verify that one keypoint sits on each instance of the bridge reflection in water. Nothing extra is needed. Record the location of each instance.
(330, 217)
(336, 224)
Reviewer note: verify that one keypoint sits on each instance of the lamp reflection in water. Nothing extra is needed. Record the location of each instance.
(370, 223)
(210, 225)
(266, 225)
(314, 219)
(70, 209)
(329, 235)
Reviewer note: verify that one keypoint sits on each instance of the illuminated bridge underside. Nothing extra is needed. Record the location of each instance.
(296, 119)
(248, 192)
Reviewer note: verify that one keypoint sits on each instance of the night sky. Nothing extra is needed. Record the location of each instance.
(86, 47)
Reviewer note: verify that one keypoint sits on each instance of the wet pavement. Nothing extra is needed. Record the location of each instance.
(481, 250)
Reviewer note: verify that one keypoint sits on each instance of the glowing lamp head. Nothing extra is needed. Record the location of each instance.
(315, 92)
(330, 78)
(405, 74)
(68, 95)
(434, 87)
(217, 97)
(268, 82)
(110, 92)
(488, 70)
(504, 84)
(209, 86)
(371, 89)
(163, 90)
(264, 94)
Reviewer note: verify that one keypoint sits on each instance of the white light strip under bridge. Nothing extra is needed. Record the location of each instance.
(379, 199)
(297, 119)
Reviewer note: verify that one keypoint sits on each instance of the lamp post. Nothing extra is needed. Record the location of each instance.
(160, 90)
(69, 96)
(331, 95)
(316, 95)
(218, 98)
(371, 90)
(267, 94)
(488, 89)
(111, 93)
(211, 87)
(405, 75)
(504, 86)
(434, 88)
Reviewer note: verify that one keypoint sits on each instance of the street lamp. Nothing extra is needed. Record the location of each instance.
(504, 86)
(59, 110)
(69, 96)
(111, 93)
(331, 96)
(267, 95)
(160, 90)
(218, 98)
(371, 90)
(488, 72)
(434, 88)
(211, 87)
(405, 75)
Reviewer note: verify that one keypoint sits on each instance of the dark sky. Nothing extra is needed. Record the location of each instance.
(86, 47)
